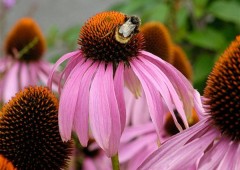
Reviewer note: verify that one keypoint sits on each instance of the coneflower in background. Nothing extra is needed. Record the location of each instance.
(6, 164)
(29, 132)
(111, 54)
(158, 41)
(214, 142)
(24, 47)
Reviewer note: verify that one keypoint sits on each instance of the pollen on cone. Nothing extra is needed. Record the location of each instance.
(25, 35)
(98, 42)
(181, 62)
(223, 91)
(29, 132)
(6, 164)
(157, 40)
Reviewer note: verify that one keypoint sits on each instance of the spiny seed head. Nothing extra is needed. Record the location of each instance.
(29, 132)
(181, 62)
(6, 164)
(157, 40)
(25, 41)
(223, 92)
(111, 37)
(170, 126)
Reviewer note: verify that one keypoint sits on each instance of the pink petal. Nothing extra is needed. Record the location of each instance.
(68, 100)
(88, 164)
(136, 109)
(58, 63)
(135, 131)
(155, 105)
(118, 87)
(132, 82)
(167, 90)
(11, 82)
(34, 73)
(104, 112)
(128, 150)
(182, 150)
(228, 160)
(213, 157)
(24, 76)
(180, 82)
(81, 122)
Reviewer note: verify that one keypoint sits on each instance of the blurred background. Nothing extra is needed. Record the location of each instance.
(203, 28)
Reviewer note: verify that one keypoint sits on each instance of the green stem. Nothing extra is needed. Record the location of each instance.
(115, 162)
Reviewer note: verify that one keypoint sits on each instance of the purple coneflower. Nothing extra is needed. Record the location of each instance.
(213, 143)
(8, 3)
(23, 64)
(110, 56)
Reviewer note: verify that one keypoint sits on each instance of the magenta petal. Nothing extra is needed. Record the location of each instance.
(182, 150)
(57, 64)
(118, 87)
(34, 73)
(128, 150)
(103, 111)
(155, 105)
(132, 82)
(228, 160)
(136, 131)
(81, 118)
(24, 76)
(11, 82)
(166, 89)
(88, 164)
(68, 100)
(179, 81)
(212, 158)
(137, 112)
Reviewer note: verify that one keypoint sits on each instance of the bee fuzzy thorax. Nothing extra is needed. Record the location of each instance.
(125, 31)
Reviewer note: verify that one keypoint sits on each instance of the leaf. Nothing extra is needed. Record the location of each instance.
(207, 38)
(226, 10)
(202, 68)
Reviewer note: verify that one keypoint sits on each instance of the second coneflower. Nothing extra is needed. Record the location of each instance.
(24, 47)
(29, 133)
(214, 142)
(111, 55)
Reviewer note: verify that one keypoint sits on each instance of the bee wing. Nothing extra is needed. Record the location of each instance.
(126, 29)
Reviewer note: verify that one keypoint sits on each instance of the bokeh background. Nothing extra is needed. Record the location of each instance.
(203, 28)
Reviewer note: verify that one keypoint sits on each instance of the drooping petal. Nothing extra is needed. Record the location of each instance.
(136, 109)
(167, 90)
(57, 64)
(81, 121)
(68, 101)
(132, 82)
(34, 70)
(155, 104)
(24, 76)
(179, 81)
(128, 150)
(11, 82)
(103, 111)
(118, 87)
(136, 131)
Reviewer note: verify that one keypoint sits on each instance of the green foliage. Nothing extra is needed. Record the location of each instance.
(203, 28)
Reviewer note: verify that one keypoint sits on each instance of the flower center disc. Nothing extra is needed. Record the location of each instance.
(223, 92)
(101, 38)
